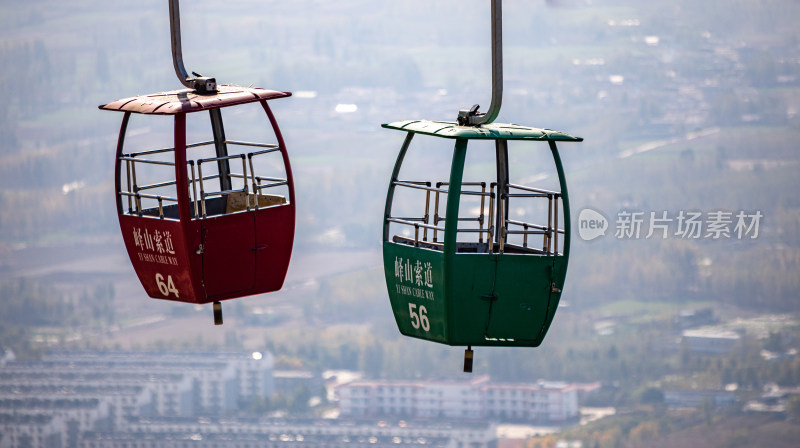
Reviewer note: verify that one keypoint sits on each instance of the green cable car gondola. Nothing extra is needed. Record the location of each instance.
(489, 283)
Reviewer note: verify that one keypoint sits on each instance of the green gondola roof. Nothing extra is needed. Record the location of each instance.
(492, 131)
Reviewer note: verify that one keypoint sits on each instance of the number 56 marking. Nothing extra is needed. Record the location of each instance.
(420, 319)
(166, 288)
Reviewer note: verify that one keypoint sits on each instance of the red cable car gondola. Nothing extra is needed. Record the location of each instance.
(212, 228)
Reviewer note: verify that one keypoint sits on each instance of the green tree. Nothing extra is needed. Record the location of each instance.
(650, 395)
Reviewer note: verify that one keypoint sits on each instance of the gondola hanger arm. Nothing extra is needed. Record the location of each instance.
(201, 84)
(472, 117)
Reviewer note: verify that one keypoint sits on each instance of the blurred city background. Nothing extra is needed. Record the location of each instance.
(664, 338)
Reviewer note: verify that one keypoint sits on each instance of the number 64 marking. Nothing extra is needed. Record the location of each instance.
(420, 319)
(166, 288)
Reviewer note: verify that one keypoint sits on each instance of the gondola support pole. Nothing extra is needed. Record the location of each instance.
(472, 117)
(200, 84)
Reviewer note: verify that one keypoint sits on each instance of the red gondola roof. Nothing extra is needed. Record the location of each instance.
(187, 100)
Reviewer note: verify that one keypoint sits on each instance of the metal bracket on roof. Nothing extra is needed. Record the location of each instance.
(200, 84)
(469, 117)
